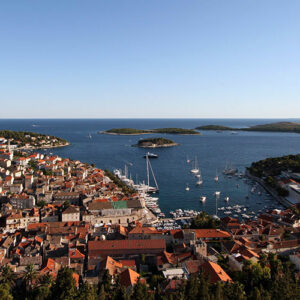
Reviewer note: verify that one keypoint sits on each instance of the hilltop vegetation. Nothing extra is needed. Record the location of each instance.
(125, 131)
(268, 169)
(277, 127)
(133, 131)
(32, 138)
(155, 142)
(272, 127)
(175, 131)
(214, 127)
(275, 165)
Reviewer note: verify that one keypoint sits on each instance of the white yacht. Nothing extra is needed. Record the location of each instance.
(216, 177)
(226, 199)
(187, 188)
(195, 170)
(199, 181)
(203, 199)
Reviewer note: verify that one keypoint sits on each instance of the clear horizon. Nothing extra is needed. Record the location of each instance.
(150, 59)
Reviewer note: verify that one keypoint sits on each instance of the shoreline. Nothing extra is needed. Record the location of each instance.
(142, 133)
(157, 146)
(114, 133)
(43, 147)
(274, 194)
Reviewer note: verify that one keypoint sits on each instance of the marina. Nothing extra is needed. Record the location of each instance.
(179, 217)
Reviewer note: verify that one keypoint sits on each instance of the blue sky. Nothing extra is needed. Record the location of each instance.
(148, 58)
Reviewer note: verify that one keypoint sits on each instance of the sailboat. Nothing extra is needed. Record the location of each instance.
(199, 181)
(216, 177)
(187, 188)
(229, 169)
(187, 160)
(195, 170)
(150, 189)
(203, 199)
(89, 136)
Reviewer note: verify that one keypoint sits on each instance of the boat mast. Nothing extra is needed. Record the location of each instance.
(147, 164)
(126, 171)
(153, 175)
(216, 205)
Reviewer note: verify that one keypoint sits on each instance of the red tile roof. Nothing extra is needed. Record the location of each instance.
(75, 253)
(129, 278)
(215, 272)
(126, 244)
(211, 233)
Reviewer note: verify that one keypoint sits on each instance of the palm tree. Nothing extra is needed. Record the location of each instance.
(7, 275)
(29, 276)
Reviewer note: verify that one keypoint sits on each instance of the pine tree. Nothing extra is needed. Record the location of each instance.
(140, 291)
(86, 292)
(191, 291)
(105, 282)
(64, 287)
(102, 294)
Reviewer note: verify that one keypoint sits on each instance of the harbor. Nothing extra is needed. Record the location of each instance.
(256, 200)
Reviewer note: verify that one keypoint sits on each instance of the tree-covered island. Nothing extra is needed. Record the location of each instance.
(272, 127)
(30, 140)
(155, 143)
(133, 131)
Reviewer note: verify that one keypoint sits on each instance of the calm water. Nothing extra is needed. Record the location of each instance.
(171, 170)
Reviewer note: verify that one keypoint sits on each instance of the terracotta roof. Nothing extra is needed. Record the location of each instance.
(127, 244)
(193, 266)
(51, 267)
(173, 285)
(75, 253)
(111, 265)
(210, 233)
(129, 278)
(71, 210)
(128, 262)
(76, 278)
(215, 272)
(143, 230)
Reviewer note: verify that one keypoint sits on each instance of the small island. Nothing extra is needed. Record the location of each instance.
(155, 143)
(30, 140)
(133, 131)
(214, 127)
(271, 127)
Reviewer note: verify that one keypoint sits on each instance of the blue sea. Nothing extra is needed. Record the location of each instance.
(212, 149)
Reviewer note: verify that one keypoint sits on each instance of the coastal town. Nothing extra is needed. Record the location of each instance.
(58, 213)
